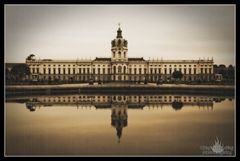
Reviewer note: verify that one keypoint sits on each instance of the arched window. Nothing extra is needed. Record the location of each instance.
(114, 69)
(125, 43)
(113, 43)
(119, 42)
(119, 69)
(114, 54)
(124, 54)
(124, 69)
(119, 54)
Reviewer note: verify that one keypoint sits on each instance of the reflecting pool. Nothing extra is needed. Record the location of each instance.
(90, 124)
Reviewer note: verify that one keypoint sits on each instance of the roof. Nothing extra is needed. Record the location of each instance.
(180, 61)
(102, 59)
(136, 59)
(59, 61)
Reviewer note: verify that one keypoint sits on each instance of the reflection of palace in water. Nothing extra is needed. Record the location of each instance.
(118, 101)
(119, 104)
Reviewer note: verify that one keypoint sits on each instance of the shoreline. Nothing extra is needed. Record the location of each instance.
(121, 88)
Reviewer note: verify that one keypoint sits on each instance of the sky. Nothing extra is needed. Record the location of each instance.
(173, 32)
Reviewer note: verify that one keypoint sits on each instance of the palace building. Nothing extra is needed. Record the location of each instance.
(118, 68)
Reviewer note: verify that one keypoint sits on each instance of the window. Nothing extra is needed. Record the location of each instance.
(79, 70)
(135, 71)
(140, 70)
(114, 69)
(64, 71)
(205, 70)
(119, 42)
(185, 70)
(170, 71)
(44, 71)
(37, 70)
(113, 43)
(49, 71)
(59, 71)
(125, 43)
(68, 70)
(93, 70)
(83, 70)
(195, 71)
(124, 69)
(103, 70)
(124, 54)
(190, 72)
(73, 70)
(109, 70)
(201, 70)
(130, 70)
(210, 71)
(88, 71)
(165, 71)
(54, 71)
(119, 54)
(119, 69)
(145, 71)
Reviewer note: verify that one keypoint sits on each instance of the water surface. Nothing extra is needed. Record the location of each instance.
(83, 124)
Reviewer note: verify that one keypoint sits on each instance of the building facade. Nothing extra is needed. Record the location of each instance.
(119, 68)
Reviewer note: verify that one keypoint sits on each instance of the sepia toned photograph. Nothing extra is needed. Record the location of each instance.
(120, 80)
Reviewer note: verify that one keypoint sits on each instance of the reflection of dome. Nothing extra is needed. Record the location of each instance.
(177, 105)
(119, 118)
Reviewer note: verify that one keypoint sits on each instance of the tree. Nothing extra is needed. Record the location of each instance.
(222, 70)
(8, 74)
(177, 75)
(20, 71)
(230, 72)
